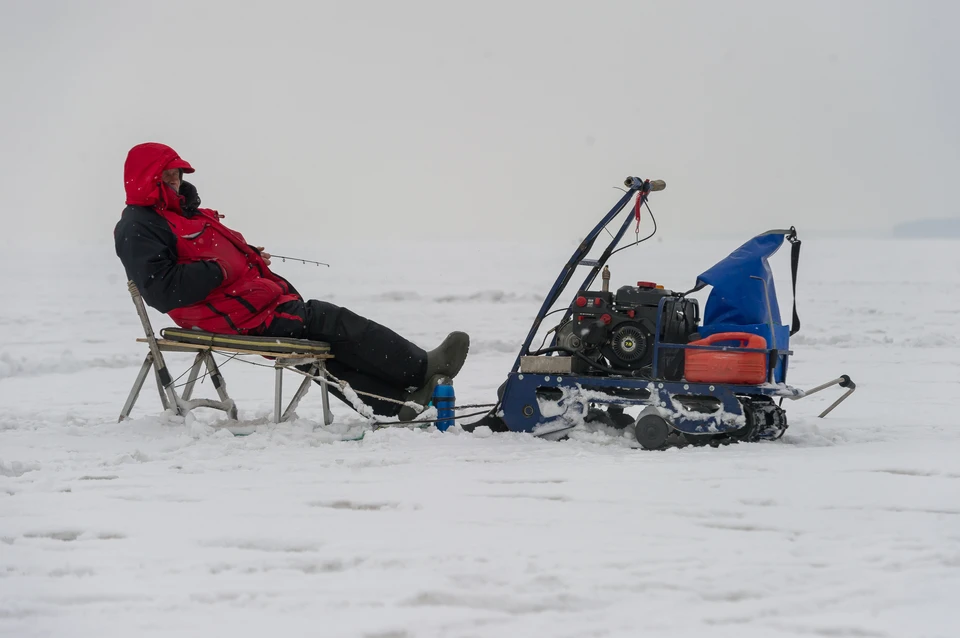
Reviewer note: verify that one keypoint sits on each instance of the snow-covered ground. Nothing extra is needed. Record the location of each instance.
(849, 526)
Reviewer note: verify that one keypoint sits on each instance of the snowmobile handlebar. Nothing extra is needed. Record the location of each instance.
(636, 182)
(635, 185)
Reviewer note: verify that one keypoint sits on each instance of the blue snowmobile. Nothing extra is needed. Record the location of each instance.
(709, 382)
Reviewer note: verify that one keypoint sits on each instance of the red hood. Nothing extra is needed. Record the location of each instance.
(141, 175)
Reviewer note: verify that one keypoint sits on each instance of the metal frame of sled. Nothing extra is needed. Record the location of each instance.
(284, 352)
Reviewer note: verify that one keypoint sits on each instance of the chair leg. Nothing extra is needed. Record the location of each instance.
(164, 401)
(277, 393)
(300, 393)
(137, 386)
(324, 394)
(218, 382)
(192, 378)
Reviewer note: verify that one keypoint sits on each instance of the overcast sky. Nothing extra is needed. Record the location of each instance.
(483, 118)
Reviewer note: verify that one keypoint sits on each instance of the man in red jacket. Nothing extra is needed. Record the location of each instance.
(188, 264)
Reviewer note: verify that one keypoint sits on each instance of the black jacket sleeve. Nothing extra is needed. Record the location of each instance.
(147, 247)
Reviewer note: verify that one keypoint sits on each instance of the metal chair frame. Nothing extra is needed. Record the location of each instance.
(182, 403)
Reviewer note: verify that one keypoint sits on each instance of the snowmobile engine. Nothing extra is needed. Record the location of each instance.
(615, 332)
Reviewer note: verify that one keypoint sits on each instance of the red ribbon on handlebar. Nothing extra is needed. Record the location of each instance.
(636, 210)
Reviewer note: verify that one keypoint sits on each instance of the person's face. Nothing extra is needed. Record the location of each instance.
(171, 176)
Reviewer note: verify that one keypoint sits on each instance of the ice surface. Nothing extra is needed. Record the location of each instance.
(848, 526)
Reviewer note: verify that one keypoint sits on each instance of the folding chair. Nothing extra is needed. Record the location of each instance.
(284, 352)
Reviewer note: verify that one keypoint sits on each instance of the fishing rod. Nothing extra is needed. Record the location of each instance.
(306, 261)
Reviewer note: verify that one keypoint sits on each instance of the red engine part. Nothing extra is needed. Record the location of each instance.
(714, 366)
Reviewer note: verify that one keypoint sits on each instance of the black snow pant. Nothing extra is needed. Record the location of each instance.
(368, 356)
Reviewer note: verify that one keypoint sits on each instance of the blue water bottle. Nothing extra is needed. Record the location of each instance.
(444, 399)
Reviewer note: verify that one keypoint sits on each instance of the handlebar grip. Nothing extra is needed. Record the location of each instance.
(636, 182)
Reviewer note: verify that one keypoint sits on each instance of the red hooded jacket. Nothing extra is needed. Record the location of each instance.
(184, 261)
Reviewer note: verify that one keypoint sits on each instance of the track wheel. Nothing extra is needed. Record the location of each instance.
(652, 432)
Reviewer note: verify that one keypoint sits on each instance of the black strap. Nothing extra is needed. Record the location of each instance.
(794, 263)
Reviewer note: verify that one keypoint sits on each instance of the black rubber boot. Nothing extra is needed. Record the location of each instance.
(421, 396)
(448, 357)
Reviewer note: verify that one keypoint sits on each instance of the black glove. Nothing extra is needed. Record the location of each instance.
(191, 199)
